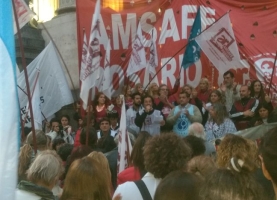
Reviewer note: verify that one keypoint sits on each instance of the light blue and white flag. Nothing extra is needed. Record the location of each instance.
(9, 109)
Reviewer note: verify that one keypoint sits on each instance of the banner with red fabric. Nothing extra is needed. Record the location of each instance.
(170, 22)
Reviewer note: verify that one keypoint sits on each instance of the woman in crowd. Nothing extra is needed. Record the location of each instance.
(137, 171)
(127, 92)
(261, 114)
(234, 182)
(219, 123)
(100, 106)
(257, 92)
(179, 185)
(57, 143)
(42, 176)
(139, 88)
(27, 154)
(193, 98)
(85, 181)
(204, 91)
(65, 120)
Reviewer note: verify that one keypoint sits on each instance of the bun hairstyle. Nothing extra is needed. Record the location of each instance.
(241, 164)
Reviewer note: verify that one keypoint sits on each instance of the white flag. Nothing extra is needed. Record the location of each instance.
(124, 142)
(153, 60)
(137, 60)
(24, 14)
(53, 87)
(219, 44)
(90, 74)
(107, 79)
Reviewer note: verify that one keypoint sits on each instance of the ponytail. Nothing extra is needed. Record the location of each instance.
(25, 159)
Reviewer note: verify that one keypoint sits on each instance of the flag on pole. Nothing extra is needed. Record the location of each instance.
(24, 14)
(219, 44)
(192, 52)
(91, 71)
(124, 142)
(107, 79)
(138, 60)
(153, 60)
(9, 115)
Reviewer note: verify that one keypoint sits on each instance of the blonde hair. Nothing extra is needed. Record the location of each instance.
(205, 80)
(150, 89)
(46, 168)
(85, 181)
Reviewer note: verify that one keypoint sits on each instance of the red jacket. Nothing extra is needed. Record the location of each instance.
(77, 138)
(129, 174)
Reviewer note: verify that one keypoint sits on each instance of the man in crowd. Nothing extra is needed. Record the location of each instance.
(132, 112)
(230, 89)
(149, 119)
(183, 115)
(243, 110)
(105, 140)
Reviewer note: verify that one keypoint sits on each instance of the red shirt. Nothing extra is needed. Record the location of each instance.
(203, 95)
(129, 174)
(77, 137)
(100, 115)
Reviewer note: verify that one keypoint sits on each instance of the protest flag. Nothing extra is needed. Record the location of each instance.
(124, 142)
(138, 60)
(89, 74)
(9, 115)
(192, 52)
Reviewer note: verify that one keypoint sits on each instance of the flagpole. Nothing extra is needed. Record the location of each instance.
(273, 71)
(88, 116)
(184, 47)
(26, 77)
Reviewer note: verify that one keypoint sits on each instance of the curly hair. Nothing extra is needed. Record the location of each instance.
(165, 153)
(234, 145)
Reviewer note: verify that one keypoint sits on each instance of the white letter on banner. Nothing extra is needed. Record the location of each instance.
(186, 9)
(117, 24)
(205, 20)
(169, 73)
(147, 28)
(169, 18)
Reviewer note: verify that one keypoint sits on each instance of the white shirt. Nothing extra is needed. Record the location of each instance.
(129, 190)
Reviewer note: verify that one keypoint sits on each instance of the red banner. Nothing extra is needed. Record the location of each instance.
(253, 24)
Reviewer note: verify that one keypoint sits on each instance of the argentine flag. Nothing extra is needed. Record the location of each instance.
(9, 109)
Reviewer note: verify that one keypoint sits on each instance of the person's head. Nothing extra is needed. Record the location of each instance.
(228, 78)
(204, 84)
(218, 113)
(234, 145)
(57, 143)
(216, 97)
(137, 152)
(41, 140)
(187, 88)
(64, 151)
(256, 88)
(91, 121)
(197, 130)
(65, 119)
(244, 91)
(138, 88)
(184, 98)
(153, 89)
(136, 99)
(113, 117)
(100, 99)
(234, 183)
(268, 151)
(118, 101)
(46, 169)
(104, 124)
(179, 185)
(263, 110)
(165, 153)
(147, 101)
(92, 137)
(55, 125)
(163, 90)
(127, 90)
(196, 144)
(91, 184)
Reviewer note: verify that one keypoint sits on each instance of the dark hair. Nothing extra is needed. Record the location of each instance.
(178, 185)
(137, 152)
(185, 93)
(56, 142)
(196, 144)
(112, 114)
(54, 120)
(268, 149)
(165, 153)
(64, 151)
(229, 72)
(147, 96)
(104, 119)
(252, 91)
(135, 94)
(221, 99)
(95, 101)
(66, 116)
(265, 106)
(92, 137)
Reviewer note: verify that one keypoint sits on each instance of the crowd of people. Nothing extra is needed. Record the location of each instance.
(183, 147)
